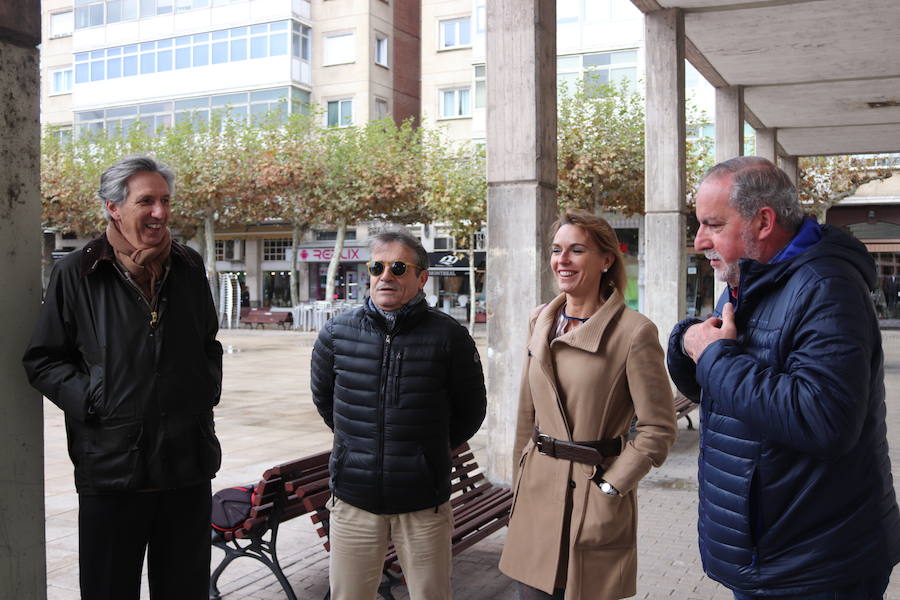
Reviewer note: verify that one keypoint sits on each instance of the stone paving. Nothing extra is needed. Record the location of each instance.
(266, 416)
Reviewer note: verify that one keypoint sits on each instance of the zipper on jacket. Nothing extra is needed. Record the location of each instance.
(385, 369)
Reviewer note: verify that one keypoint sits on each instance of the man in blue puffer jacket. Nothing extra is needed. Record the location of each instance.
(796, 494)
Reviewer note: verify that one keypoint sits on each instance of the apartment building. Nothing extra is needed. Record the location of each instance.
(112, 63)
(108, 64)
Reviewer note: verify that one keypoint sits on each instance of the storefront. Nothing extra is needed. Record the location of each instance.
(449, 288)
(877, 225)
(351, 279)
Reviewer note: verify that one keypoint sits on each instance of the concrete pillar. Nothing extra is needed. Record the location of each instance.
(765, 144)
(521, 148)
(254, 279)
(23, 565)
(791, 166)
(729, 136)
(664, 181)
(729, 122)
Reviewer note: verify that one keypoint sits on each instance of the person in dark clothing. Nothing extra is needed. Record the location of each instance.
(401, 385)
(125, 345)
(796, 495)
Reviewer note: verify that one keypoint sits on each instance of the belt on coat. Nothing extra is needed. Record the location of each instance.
(589, 453)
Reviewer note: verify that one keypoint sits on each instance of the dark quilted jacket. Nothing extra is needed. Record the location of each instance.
(398, 401)
(796, 494)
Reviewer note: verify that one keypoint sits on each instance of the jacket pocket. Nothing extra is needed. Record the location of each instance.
(210, 453)
(518, 481)
(425, 470)
(112, 456)
(608, 521)
(336, 463)
(96, 400)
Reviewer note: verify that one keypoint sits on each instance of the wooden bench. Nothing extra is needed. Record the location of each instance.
(479, 509)
(683, 406)
(272, 504)
(260, 317)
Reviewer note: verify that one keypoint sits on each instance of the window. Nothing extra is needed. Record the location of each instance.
(276, 249)
(121, 10)
(381, 108)
(455, 103)
(480, 86)
(330, 236)
(381, 49)
(62, 24)
(338, 49)
(61, 81)
(184, 52)
(596, 70)
(240, 105)
(300, 47)
(63, 133)
(229, 249)
(339, 113)
(88, 14)
(455, 33)
(443, 243)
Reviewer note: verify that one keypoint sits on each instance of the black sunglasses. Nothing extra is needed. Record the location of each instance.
(398, 268)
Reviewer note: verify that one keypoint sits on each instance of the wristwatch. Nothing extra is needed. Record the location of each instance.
(607, 488)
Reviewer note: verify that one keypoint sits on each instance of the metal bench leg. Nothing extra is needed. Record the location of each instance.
(388, 582)
(690, 423)
(230, 555)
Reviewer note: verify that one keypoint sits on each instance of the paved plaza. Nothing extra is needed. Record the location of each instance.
(266, 416)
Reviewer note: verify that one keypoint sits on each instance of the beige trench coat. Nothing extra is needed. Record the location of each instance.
(586, 385)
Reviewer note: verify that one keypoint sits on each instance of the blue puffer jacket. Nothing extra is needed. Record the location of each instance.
(796, 494)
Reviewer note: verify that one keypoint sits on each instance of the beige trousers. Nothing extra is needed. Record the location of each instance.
(359, 543)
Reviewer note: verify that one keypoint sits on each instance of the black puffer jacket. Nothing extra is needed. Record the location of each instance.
(398, 401)
(138, 397)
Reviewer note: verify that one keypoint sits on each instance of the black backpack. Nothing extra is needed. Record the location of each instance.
(231, 507)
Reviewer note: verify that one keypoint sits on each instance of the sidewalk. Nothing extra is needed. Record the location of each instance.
(266, 416)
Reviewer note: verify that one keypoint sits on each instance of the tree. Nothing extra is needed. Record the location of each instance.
(370, 172)
(216, 164)
(455, 194)
(289, 169)
(601, 148)
(826, 180)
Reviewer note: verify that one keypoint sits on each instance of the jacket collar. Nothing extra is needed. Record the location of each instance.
(406, 314)
(99, 250)
(586, 337)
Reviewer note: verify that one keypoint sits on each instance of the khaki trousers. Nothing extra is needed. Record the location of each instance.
(359, 541)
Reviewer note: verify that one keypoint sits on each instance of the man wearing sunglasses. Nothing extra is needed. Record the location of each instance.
(401, 385)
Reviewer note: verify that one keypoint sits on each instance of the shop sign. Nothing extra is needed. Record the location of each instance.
(325, 254)
(454, 261)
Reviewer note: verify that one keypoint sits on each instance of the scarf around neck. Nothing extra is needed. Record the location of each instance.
(145, 264)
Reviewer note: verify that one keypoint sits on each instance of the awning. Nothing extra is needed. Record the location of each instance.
(453, 263)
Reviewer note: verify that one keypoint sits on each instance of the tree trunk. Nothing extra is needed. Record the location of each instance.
(472, 285)
(209, 248)
(295, 276)
(335, 260)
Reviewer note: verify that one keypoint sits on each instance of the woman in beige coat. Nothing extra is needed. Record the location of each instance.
(593, 364)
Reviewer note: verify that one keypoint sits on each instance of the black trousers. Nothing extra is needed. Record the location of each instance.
(172, 526)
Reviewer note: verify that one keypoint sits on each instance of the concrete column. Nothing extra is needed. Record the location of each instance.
(253, 281)
(23, 565)
(521, 148)
(791, 166)
(729, 122)
(729, 137)
(765, 144)
(664, 181)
